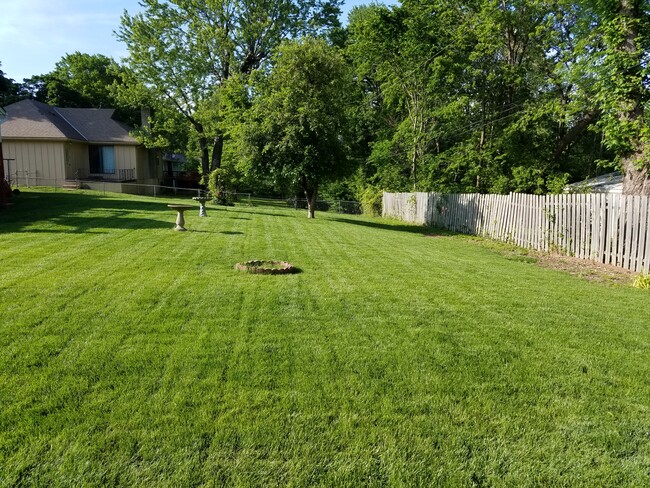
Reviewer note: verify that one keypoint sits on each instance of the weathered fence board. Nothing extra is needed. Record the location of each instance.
(607, 228)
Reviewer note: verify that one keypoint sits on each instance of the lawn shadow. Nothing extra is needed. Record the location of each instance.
(261, 213)
(400, 227)
(231, 233)
(81, 213)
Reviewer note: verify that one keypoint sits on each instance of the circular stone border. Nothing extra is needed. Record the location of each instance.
(266, 266)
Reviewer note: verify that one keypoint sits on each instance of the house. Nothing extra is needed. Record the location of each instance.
(609, 183)
(49, 146)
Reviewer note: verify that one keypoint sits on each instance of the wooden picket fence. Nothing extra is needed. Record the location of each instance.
(607, 228)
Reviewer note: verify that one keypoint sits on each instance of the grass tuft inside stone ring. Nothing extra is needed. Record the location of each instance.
(263, 266)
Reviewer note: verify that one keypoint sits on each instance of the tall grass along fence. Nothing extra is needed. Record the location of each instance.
(607, 228)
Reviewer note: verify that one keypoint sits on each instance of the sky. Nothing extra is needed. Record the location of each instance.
(36, 34)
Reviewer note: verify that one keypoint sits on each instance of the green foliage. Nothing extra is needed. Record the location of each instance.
(80, 80)
(371, 200)
(83, 80)
(186, 54)
(220, 187)
(9, 90)
(298, 127)
(556, 183)
(479, 96)
(621, 88)
(642, 281)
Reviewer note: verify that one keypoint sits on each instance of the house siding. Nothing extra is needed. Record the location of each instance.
(76, 161)
(149, 168)
(35, 162)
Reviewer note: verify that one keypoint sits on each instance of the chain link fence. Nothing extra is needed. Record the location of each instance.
(23, 179)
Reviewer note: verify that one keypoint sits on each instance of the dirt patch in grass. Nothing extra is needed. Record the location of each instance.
(589, 270)
(584, 268)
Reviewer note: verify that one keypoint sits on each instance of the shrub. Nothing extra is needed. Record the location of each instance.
(371, 200)
(218, 185)
(642, 281)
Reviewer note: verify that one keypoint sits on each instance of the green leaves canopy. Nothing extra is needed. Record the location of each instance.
(186, 51)
(298, 126)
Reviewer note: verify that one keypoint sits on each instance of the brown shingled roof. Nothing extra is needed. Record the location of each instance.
(97, 124)
(29, 119)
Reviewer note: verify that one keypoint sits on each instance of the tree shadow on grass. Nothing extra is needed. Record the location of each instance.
(399, 227)
(261, 213)
(79, 213)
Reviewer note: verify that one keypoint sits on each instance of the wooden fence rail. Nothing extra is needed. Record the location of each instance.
(607, 228)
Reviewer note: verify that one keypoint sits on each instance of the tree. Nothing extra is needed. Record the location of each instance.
(620, 47)
(187, 51)
(402, 57)
(83, 80)
(298, 124)
(475, 96)
(9, 90)
(79, 80)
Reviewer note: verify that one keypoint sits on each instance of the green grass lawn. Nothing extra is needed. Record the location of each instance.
(131, 354)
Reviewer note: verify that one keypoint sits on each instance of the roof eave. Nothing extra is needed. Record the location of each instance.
(6, 138)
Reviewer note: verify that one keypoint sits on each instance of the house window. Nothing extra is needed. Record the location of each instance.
(102, 159)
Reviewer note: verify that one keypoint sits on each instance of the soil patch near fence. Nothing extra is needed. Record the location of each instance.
(584, 268)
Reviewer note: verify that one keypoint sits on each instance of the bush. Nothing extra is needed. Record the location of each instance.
(371, 200)
(218, 184)
(642, 281)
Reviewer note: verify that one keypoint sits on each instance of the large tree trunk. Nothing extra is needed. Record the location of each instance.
(636, 180)
(310, 190)
(205, 157)
(634, 161)
(574, 133)
(217, 152)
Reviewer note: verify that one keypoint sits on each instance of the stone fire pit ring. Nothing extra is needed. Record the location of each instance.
(265, 266)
